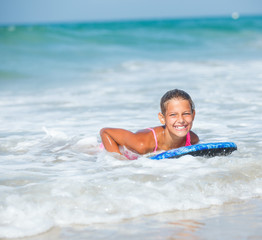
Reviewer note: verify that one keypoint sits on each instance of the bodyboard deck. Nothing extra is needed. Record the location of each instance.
(203, 149)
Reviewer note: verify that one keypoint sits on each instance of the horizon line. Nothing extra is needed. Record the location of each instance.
(141, 19)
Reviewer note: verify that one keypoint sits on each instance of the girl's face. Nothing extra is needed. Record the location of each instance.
(179, 117)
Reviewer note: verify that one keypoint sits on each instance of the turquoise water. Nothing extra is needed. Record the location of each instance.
(60, 53)
(61, 83)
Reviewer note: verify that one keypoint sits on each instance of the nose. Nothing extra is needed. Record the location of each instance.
(180, 118)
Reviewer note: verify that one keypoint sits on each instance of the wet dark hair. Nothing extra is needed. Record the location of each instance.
(175, 93)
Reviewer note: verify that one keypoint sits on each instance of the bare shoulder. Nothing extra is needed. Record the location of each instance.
(148, 130)
(146, 138)
(194, 138)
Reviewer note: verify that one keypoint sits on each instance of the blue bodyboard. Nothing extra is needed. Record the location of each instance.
(203, 150)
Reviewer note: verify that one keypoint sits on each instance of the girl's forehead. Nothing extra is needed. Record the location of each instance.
(178, 103)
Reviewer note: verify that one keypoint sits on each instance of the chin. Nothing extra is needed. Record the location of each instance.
(181, 133)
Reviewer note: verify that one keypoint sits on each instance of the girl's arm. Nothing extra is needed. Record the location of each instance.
(112, 138)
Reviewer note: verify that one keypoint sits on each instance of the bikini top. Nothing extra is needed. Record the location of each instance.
(188, 139)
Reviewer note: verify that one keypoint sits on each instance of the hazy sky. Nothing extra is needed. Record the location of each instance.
(28, 11)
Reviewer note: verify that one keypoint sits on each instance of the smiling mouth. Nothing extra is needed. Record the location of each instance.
(180, 127)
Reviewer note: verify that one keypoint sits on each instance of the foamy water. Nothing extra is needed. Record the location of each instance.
(53, 174)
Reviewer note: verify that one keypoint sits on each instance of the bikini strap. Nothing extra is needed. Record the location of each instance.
(154, 137)
(188, 139)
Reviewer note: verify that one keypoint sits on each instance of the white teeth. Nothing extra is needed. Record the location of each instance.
(178, 127)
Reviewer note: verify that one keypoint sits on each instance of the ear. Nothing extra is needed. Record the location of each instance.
(161, 118)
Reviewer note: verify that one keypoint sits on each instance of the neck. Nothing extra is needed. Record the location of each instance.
(172, 141)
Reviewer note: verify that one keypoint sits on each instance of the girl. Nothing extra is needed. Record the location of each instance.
(177, 116)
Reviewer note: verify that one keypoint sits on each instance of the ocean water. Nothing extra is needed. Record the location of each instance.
(61, 83)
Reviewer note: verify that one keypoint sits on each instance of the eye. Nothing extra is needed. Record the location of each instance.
(187, 113)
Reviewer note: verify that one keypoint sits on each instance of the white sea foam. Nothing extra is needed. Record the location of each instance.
(79, 191)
